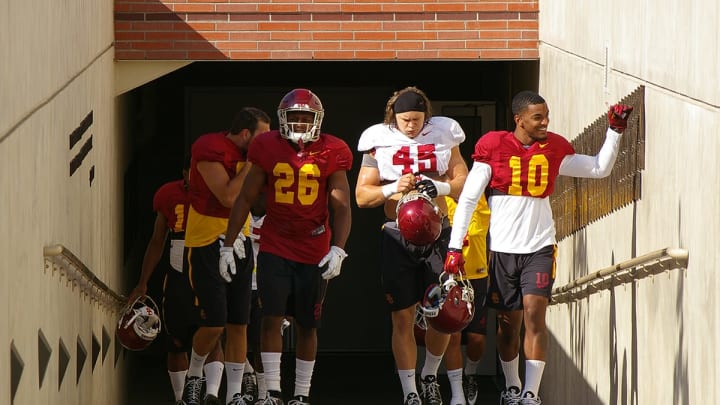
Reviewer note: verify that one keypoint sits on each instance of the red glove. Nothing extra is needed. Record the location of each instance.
(618, 116)
(454, 262)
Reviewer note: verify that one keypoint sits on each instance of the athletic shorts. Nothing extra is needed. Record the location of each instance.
(479, 321)
(513, 276)
(180, 316)
(406, 269)
(289, 288)
(218, 301)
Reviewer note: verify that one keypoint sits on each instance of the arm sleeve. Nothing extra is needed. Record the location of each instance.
(477, 179)
(597, 166)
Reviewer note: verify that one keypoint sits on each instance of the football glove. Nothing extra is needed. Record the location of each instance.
(227, 263)
(454, 262)
(618, 117)
(430, 187)
(333, 259)
(239, 246)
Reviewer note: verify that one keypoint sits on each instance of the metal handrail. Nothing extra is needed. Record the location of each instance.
(79, 274)
(633, 269)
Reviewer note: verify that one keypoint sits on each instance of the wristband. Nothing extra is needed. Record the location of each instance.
(389, 189)
(442, 187)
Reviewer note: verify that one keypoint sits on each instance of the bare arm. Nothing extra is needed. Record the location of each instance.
(251, 189)
(369, 191)
(457, 173)
(339, 190)
(153, 254)
(222, 186)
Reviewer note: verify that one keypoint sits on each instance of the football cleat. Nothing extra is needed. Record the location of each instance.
(412, 399)
(470, 386)
(510, 396)
(299, 400)
(430, 391)
(192, 391)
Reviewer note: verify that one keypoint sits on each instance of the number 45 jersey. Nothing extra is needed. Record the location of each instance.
(397, 154)
(296, 225)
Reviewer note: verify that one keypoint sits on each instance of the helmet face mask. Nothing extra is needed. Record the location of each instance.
(300, 100)
(449, 306)
(418, 218)
(139, 324)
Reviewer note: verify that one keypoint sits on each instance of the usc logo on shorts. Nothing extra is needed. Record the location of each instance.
(317, 311)
(495, 298)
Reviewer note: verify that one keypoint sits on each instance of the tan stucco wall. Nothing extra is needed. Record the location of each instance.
(651, 341)
(56, 67)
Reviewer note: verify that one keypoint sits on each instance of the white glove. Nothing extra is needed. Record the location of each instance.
(227, 262)
(333, 259)
(239, 246)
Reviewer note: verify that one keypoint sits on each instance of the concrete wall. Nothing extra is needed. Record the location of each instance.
(56, 69)
(650, 341)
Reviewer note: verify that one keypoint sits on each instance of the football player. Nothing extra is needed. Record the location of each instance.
(303, 172)
(217, 171)
(412, 151)
(170, 203)
(519, 169)
(464, 381)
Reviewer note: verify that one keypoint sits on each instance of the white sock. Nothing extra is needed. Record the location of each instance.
(213, 377)
(234, 374)
(512, 375)
(303, 376)
(177, 380)
(248, 367)
(432, 364)
(471, 366)
(407, 380)
(533, 376)
(196, 364)
(262, 389)
(271, 369)
(456, 386)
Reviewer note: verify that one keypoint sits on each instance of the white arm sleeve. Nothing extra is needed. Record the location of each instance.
(597, 166)
(477, 179)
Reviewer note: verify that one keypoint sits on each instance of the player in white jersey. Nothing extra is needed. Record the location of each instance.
(412, 150)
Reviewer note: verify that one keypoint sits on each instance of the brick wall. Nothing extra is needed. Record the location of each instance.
(326, 30)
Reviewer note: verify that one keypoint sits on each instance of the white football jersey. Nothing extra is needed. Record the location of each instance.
(396, 154)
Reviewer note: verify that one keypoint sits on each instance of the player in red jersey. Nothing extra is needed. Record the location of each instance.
(411, 147)
(519, 170)
(180, 318)
(304, 175)
(218, 169)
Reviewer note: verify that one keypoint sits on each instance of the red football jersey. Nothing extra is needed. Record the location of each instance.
(208, 218)
(517, 170)
(296, 223)
(170, 201)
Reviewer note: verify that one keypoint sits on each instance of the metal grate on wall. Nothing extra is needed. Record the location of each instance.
(577, 202)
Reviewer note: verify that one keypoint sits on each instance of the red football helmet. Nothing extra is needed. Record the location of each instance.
(418, 218)
(449, 305)
(300, 100)
(139, 324)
